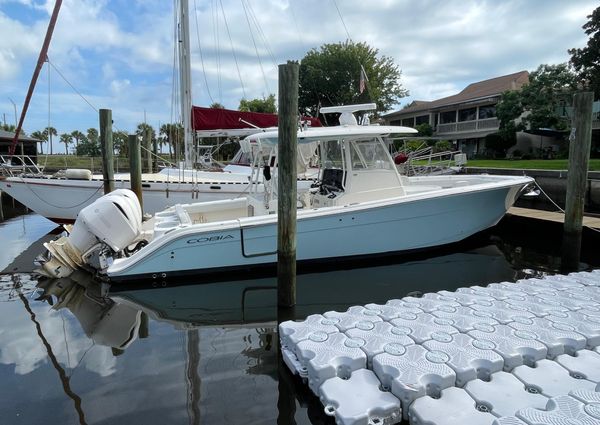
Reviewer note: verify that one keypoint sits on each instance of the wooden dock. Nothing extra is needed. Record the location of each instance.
(557, 217)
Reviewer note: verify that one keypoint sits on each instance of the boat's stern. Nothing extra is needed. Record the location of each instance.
(108, 228)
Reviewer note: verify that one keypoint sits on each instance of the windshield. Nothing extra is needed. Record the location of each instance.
(369, 154)
(332, 154)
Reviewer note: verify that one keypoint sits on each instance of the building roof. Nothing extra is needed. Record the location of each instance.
(474, 91)
(9, 135)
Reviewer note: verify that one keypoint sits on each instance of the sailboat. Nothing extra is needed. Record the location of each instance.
(60, 198)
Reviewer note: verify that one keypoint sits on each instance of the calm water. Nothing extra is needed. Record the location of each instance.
(205, 353)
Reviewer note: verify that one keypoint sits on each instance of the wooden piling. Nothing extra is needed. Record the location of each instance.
(287, 175)
(579, 155)
(148, 150)
(135, 167)
(155, 155)
(106, 146)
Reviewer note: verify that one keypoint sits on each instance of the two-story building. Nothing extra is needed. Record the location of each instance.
(464, 118)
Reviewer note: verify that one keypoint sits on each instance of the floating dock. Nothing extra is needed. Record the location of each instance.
(523, 353)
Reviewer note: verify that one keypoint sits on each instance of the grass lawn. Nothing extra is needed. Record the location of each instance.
(59, 162)
(530, 164)
(55, 162)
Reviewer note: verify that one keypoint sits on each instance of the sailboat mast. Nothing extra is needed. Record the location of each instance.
(185, 80)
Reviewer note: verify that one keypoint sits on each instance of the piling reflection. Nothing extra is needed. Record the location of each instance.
(208, 353)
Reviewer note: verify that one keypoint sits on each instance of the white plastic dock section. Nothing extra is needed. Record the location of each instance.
(523, 353)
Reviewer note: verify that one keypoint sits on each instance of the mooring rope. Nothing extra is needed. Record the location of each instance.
(559, 208)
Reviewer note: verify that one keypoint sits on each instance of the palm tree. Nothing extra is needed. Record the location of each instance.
(141, 131)
(77, 135)
(50, 131)
(120, 141)
(42, 137)
(67, 139)
(173, 134)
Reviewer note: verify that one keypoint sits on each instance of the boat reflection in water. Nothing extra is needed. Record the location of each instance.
(209, 352)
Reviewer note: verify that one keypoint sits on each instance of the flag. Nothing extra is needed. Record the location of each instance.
(363, 80)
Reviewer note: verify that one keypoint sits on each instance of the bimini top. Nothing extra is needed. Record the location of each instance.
(321, 134)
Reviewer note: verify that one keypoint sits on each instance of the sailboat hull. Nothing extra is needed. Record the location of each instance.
(396, 225)
(61, 200)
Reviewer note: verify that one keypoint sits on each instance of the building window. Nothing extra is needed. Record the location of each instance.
(488, 111)
(467, 114)
(408, 122)
(447, 117)
(422, 119)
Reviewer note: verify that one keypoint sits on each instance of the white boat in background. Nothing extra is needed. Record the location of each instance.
(61, 197)
(361, 206)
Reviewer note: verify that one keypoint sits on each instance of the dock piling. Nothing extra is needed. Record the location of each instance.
(135, 167)
(287, 190)
(155, 155)
(148, 150)
(106, 145)
(579, 155)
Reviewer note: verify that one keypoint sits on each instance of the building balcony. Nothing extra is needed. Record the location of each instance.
(455, 128)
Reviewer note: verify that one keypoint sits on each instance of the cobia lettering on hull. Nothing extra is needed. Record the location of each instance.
(210, 239)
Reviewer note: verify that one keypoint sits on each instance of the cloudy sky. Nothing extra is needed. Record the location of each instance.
(119, 54)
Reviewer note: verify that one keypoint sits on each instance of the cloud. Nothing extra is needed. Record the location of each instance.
(99, 45)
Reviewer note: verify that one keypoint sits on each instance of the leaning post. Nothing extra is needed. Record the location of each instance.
(135, 167)
(579, 154)
(286, 193)
(106, 146)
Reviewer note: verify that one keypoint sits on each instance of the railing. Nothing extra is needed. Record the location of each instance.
(424, 161)
(466, 126)
(15, 165)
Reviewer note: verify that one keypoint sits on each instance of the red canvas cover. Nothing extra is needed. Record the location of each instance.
(215, 119)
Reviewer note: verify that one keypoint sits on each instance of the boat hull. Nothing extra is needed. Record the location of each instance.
(61, 200)
(398, 225)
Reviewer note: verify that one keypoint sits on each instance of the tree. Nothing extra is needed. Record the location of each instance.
(142, 128)
(265, 105)
(42, 137)
(424, 129)
(89, 146)
(172, 135)
(508, 111)
(549, 87)
(499, 143)
(121, 142)
(50, 131)
(331, 76)
(216, 105)
(535, 106)
(78, 136)
(586, 61)
(67, 139)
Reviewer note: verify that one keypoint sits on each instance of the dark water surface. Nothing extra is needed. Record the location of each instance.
(207, 353)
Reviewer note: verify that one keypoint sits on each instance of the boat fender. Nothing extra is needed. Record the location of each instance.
(78, 174)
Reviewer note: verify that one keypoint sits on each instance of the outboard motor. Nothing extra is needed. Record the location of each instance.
(107, 226)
